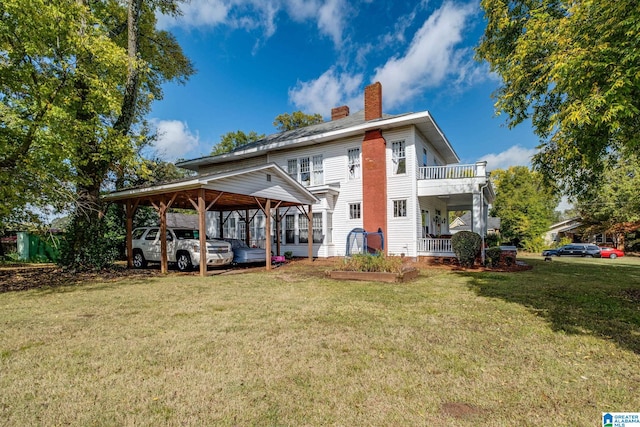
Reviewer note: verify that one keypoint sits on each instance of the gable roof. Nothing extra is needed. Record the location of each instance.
(331, 130)
(232, 190)
(464, 222)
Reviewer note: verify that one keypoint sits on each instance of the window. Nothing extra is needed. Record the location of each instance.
(292, 168)
(151, 235)
(307, 170)
(229, 227)
(317, 228)
(424, 157)
(137, 233)
(354, 211)
(399, 208)
(329, 227)
(353, 163)
(303, 229)
(305, 173)
(318, 172)
(399, 157)
(290, 229)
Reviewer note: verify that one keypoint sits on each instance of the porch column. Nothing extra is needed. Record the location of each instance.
(478, 223)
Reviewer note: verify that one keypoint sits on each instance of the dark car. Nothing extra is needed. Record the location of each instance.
(550, 252)
(243, 254)
(580, 249)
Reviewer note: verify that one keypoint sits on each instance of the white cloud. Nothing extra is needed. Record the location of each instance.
(514, 156)
(174, 139)
(329, 90)
(430, 58)
(331, 20)
(329, 15)
(197, 13)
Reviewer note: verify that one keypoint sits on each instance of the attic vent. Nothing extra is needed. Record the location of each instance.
(268, 177)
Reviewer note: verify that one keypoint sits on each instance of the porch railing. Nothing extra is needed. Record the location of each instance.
(435, 245)
(453, 171)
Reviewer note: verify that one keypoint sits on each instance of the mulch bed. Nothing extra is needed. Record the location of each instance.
(21, 278)
(34, 276)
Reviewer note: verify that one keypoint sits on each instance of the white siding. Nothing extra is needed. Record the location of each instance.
(335, 174)
(237, 164)
(401, 234)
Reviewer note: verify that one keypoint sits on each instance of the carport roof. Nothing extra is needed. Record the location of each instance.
(247, 188)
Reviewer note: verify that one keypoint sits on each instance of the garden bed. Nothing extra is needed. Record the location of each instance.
(373, 276)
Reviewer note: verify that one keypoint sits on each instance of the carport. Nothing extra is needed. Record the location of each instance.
(265, 187)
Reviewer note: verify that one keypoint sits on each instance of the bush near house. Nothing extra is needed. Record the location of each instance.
(492, 256)
(466, 245)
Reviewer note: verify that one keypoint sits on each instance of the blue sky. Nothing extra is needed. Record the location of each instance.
(257, 59)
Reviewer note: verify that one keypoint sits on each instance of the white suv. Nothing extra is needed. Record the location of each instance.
(183, 248)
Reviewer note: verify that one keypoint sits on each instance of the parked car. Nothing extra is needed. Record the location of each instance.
(183, 248)
(579, 249)
(610, 252)
(550, 252)
(243, 254)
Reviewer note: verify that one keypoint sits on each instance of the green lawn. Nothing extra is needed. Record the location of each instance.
(556, 345)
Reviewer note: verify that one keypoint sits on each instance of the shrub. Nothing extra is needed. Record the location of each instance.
(86, 246)
(536, 244)
(492, 240)
(564, 241)
(493, 256)
(372, 263)
(288, 255)
(466, 245)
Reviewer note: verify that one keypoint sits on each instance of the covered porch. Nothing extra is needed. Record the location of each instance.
(439, 196)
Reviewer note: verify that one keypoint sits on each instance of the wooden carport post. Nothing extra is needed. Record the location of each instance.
(202, 227)
(162, 210)
(130, 207)
(310, 230)
(267, 226)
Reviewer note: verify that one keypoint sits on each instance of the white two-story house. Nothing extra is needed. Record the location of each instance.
(394, 173)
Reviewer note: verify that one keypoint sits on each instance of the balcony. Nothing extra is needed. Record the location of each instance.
(477, 170)
(458, 183)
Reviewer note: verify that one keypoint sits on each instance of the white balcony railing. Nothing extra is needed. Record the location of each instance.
(434, 245)
(453, 171)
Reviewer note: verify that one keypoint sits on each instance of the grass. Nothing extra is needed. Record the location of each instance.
(560, 342)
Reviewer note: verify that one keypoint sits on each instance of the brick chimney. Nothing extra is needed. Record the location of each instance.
(339, 112)
(374, 168)
(373, 101)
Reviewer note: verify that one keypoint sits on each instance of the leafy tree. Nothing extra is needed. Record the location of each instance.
(573, 68)
(615, 202)
(232, 140)
(524, 204)
(283, 122)
(296, 120)
(77, 77)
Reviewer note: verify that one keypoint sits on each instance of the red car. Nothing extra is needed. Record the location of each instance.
(611, 253)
